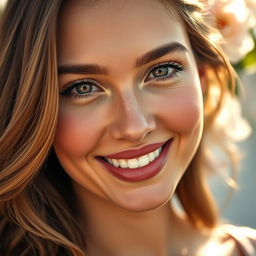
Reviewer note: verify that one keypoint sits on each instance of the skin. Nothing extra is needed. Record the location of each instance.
(127, 110)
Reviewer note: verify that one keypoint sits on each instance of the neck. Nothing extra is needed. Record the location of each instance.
(111, 230)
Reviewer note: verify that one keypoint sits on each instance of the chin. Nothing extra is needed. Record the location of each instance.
(145, 207)
(143, 204)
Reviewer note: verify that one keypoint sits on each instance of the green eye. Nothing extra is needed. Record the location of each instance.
(161, 71)
(165, 71)
(83, 88)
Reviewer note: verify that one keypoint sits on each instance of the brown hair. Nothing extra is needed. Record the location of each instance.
(36, 216)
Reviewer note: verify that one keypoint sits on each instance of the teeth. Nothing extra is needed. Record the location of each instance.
(143, 160)
(115, 162)
(156, 153)
(110, 160)
(123, 163)
(135, 162)
(151, 156)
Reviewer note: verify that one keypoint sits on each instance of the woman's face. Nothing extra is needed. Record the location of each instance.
(129, 89)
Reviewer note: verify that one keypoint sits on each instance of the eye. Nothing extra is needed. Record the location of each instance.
(164, 71)
(82, 89)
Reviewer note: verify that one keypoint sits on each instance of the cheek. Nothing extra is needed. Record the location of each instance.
(182, 109)
(77, 130)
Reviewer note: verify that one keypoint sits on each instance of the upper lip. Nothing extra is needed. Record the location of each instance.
(133, 153)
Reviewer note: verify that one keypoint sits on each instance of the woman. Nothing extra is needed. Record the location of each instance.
(103, 109)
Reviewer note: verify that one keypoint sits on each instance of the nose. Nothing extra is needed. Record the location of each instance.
(132, 122)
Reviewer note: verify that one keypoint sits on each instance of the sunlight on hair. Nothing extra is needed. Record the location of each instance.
(216, 37)
(232, 183)
(2, 3)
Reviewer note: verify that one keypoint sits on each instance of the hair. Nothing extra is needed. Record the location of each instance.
(36, 216)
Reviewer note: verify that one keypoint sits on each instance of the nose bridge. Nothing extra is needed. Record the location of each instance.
(132, 121)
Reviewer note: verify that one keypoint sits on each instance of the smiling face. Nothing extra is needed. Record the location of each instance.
(129, 90)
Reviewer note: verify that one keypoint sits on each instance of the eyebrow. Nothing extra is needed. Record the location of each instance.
(159, 52)
(82, 69)
(142, 60)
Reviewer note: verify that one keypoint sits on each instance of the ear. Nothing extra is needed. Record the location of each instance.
(203, 77)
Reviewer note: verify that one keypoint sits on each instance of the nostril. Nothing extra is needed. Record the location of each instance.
(132, 130)
(132, 120)
(130, 135)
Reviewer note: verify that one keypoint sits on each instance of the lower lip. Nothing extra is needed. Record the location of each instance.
(142, 173)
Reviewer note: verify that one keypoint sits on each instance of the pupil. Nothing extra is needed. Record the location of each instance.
(83, 88)
(161, 71)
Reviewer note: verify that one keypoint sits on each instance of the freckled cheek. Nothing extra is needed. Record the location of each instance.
(181, 110)
(77, 131)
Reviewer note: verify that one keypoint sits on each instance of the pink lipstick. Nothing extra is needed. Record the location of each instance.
(139, 173)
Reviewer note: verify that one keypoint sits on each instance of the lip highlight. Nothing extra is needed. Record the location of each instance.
(140, 173)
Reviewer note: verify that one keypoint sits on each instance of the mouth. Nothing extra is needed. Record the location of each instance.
(138, 164)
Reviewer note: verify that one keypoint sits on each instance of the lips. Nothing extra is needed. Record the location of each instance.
(133, 153)
(133, 173)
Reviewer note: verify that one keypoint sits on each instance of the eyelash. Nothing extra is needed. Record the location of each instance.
(175, 67)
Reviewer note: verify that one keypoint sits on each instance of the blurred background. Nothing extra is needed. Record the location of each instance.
(241, 207)
(236, 20)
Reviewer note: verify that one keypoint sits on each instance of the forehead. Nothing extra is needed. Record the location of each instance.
(103, 28)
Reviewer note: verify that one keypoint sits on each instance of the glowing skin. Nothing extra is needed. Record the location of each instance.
(128, 107)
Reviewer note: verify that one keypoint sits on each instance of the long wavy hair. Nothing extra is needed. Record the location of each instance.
(37, 207)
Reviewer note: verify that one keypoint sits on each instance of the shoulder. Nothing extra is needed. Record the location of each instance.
(243, 239)
(222, 240)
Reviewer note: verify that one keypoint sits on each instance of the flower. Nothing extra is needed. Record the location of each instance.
(251, 5)
(234, 19)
